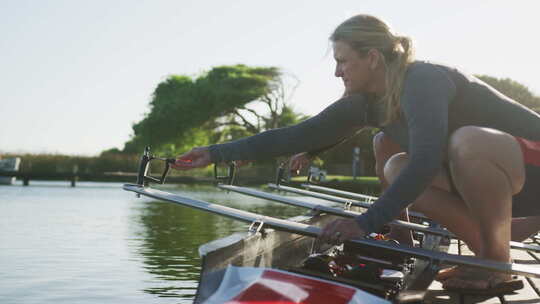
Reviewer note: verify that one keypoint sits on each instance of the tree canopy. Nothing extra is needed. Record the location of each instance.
(186, 111)
(514, 90)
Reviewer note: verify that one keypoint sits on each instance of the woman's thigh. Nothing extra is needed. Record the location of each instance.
(398, 161)
(497, 148)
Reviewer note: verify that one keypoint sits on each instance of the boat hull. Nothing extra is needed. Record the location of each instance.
(269, 285)
(270, 249)
(283, 250)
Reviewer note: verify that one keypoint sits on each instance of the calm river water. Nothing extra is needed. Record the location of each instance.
(99, 244)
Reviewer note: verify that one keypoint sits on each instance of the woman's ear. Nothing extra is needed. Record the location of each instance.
(374, 58)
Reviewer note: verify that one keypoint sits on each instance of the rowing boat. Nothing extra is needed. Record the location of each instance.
(283, 245)
(279, 260)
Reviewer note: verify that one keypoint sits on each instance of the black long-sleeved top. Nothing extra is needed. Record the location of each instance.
(436, 100)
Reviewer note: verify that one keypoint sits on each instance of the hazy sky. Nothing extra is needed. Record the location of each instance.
(75, 75)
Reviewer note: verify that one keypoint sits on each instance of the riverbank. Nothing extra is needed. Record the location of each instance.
(365, 184)
(121, 168)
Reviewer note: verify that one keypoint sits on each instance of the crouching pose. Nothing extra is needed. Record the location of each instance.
(471, 157)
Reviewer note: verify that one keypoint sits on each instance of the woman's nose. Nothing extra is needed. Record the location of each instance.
(338, 72)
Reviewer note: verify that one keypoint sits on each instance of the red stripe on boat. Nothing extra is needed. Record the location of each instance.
(531, 151)
(278, 287)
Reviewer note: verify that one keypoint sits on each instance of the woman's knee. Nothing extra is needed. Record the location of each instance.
(499, 148)
(377, 140)
(394, 165)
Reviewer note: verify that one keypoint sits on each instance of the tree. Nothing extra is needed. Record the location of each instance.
(270, 111)
(186, 112)
(514, 90)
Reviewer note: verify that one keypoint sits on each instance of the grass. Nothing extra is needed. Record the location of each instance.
(368, 180)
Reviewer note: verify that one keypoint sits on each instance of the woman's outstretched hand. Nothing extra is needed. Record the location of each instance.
(196, 158)
(299, 161)
(341, 230)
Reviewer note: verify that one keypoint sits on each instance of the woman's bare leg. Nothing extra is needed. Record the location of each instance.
(436, 203)
(488, 169)
(383, 149)
(440, 204)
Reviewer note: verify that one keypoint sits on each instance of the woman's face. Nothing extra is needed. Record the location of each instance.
(356, 71)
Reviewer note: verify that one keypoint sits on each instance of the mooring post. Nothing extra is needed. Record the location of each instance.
(74, 178)
(26, 180)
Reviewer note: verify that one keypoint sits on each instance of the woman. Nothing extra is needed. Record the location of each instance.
(472, 154)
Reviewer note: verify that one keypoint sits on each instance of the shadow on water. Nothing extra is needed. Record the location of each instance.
(170, 235)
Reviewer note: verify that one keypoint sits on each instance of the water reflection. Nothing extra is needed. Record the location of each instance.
(168, 236)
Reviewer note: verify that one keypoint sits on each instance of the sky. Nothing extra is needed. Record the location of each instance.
(75, 75)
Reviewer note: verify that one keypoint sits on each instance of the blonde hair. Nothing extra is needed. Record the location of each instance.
(365, 32)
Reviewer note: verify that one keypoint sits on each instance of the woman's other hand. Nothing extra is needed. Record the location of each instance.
(198, 157)
(341, 230)
(299, 161)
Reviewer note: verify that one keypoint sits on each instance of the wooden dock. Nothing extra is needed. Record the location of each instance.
(529, 294)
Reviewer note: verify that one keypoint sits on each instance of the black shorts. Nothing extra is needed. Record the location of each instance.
(527, 201)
